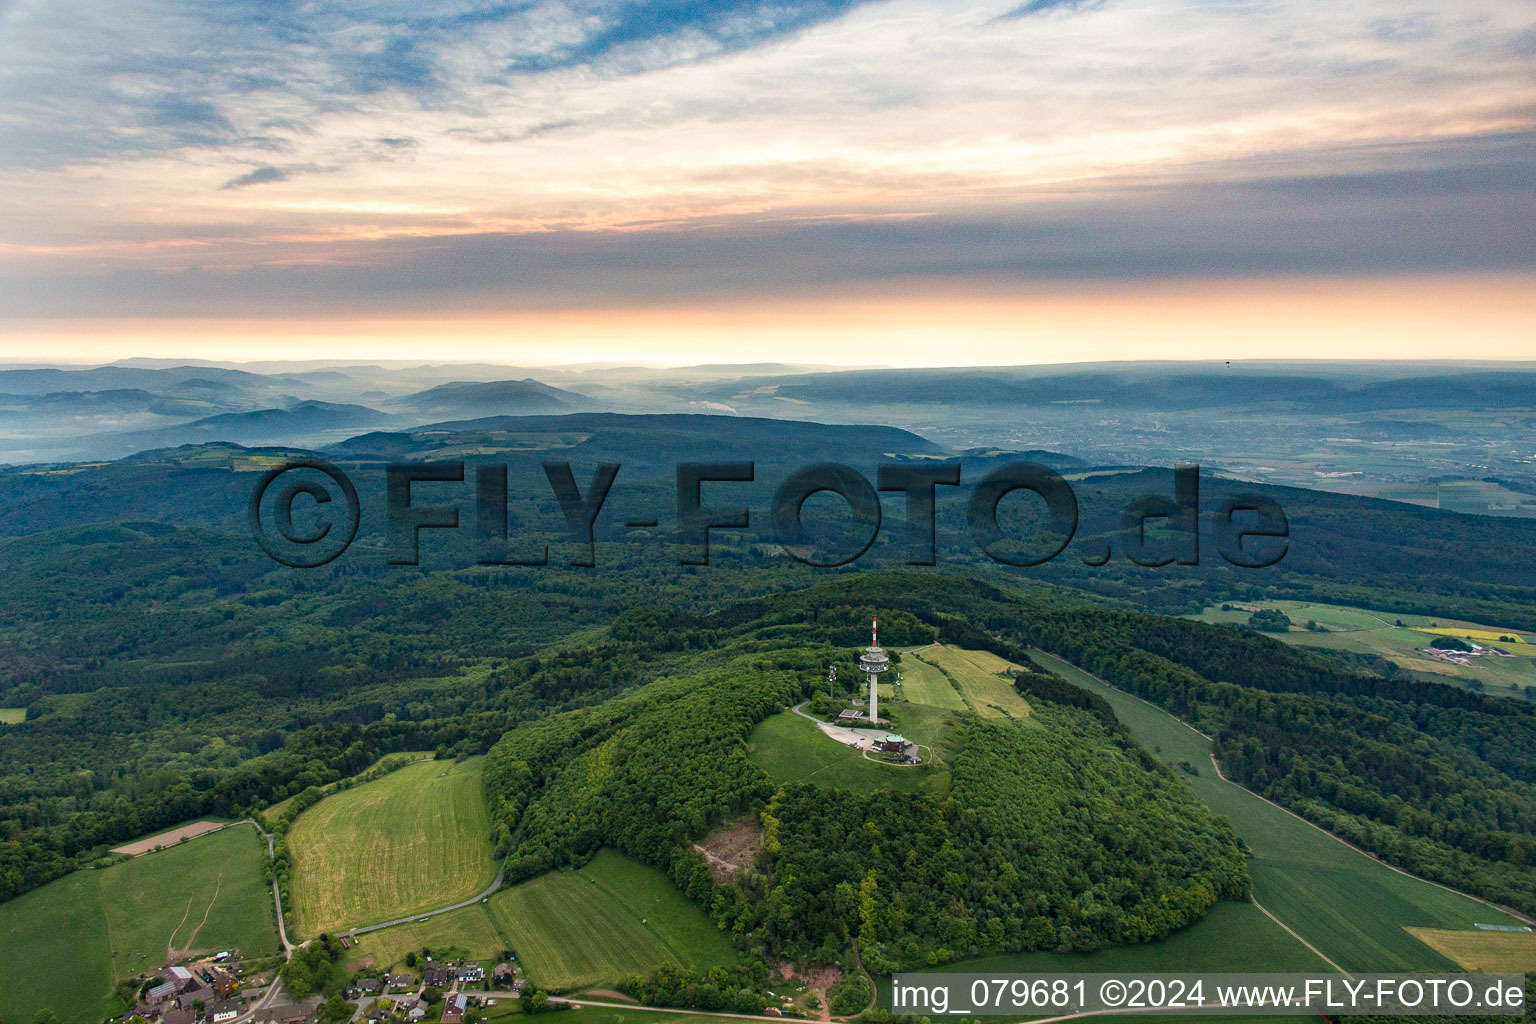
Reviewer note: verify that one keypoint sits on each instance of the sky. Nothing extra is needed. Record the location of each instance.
(904, 182)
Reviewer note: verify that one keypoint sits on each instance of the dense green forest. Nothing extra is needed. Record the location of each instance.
(1059, 832)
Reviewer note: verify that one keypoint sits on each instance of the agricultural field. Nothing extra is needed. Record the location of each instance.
(204, 895)
(569, 929)
(687, 931)
(790, 748)
(1364, 631)
(415, 839)
(1354, 909)
(977, 674)
(570, 933)
(12, 716)
(1493, 952)
(923, 683)
(468, 929)
(383, 764)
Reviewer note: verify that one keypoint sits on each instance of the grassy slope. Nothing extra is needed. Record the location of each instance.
(271, 814)
(133, 910)
(62, 922)
(1345, 903)
(1232, 937)
(922, 683)
(571, 929)
(413, 840)
(984, 690)
(792, 749)
(157, 902)
(686, 930)
(570, 933)
(469, 929)
(12, 716)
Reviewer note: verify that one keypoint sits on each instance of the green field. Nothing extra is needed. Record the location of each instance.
(571, 934)
(1363, 631)
(123, 920)
(977, 674)
(579, 929)
(791, 748)
(923, 683)
(12, 716)
(1347, 904)
(570, 929)
(647, 894)
(414, 840)
(469, 929)
(383, 764)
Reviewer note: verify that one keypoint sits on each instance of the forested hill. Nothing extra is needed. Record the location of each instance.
(1342, 549)
(1434, 779)
(1057, 831)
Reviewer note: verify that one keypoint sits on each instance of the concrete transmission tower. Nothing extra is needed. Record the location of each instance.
(873, 661)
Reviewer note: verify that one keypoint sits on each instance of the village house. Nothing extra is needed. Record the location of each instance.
(401, 983)
(365, 987)
(471, 972)
(453, 1010)
(504, 974)
(437, 975)
(225, 1009)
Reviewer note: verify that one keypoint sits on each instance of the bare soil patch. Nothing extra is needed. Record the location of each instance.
(171, 838)
(732, 848)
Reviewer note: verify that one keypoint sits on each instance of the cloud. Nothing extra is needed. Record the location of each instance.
(260, 176)
(648, 34)
(1458, 209)
(1042, 6)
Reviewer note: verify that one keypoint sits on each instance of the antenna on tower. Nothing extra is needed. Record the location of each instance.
(874, 631)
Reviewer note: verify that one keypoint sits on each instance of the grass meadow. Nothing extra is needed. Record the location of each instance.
(570, 933)
(204, 895)
(570, 929)
(413, 840)
(977, 675)
(790, 748)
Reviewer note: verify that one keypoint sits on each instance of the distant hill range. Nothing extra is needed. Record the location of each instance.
(305, 423)
(474, 399)
(646, 443)
(1159, 388)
